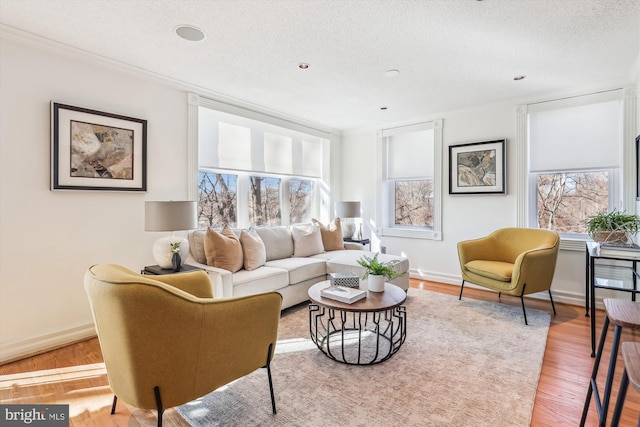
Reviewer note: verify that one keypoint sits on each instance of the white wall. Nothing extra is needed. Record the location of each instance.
(463, 216)
(48, 239)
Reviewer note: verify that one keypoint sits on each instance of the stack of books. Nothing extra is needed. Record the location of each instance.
(343, 294)
(612, 250)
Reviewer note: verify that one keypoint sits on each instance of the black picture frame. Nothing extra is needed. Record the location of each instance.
(478, 168)
(95, 150)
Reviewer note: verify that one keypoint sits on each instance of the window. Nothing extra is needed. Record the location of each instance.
(411, 180)
(413, 200)
(264, 201)
(217, 204)
(575, 162)
(255, 169)
(300, 200)
(566, 199)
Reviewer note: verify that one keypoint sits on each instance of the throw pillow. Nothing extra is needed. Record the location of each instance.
(307, 240)
(223, 250)
(255, 254)
(331, 235)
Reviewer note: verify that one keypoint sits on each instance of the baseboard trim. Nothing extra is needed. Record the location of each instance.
(565, 297)
(21, 349)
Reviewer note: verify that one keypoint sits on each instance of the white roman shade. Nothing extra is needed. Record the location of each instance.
(233, 142)
(584, 135)
(410, 152)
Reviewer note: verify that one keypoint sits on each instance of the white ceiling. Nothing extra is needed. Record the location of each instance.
(451, 54)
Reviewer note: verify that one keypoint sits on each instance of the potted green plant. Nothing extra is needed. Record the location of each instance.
(613, 227)
(377, 272)
(176, 262)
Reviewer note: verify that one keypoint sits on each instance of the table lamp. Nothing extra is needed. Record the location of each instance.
(170, 216)
(348, 211)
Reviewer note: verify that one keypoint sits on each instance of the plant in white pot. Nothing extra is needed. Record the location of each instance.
(376, 272)
(613, 227)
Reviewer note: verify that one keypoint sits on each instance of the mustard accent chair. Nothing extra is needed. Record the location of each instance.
(166, 341)
(512, 261)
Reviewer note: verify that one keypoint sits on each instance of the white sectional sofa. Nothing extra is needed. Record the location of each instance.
(290, 275)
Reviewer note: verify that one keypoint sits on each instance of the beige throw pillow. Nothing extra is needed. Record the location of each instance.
(331, 235)
(307, 240)
(255, 254)
(223, 250)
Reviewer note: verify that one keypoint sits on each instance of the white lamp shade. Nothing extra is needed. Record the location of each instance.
(170, 216)
(348, 209)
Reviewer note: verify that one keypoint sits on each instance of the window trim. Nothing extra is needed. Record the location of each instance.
(383, 216)
(626, 175)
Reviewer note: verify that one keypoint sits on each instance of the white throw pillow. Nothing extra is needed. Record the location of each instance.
(253, 249)
(307, 240)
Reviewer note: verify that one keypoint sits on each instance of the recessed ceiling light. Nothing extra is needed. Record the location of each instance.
(391, 73)
(303, 66)
(190, 33)
(521, 77)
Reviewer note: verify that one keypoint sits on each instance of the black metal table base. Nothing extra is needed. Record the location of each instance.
(358, 337)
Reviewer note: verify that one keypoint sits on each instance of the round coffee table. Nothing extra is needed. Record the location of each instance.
(366, 332)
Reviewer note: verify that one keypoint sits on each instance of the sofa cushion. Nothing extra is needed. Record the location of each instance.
(496, 270)
(196, 245)
(263, 279)
(307, 240)
(253, 250)
(331, 235)
(301, 269)
(223, 250)
(277, 241)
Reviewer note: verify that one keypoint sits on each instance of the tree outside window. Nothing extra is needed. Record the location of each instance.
(264, 201)
(217, 199)
(300, 198)
(566, 199)
(414, 202)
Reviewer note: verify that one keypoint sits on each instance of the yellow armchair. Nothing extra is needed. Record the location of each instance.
(512, 261)
(166, 341)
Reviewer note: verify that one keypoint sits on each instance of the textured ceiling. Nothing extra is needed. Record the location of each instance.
(451, 54)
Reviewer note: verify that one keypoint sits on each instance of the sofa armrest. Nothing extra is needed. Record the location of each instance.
(353, 246)
(221, 279)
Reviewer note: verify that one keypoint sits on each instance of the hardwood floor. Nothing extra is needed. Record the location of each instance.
(75, 374)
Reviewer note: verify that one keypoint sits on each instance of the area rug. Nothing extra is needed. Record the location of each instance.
(464, 363)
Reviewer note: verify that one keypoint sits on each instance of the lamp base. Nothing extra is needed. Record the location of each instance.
(162, 250)
(348, 228)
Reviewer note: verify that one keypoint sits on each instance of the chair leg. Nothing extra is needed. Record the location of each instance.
(552, 304)
(156, 391)
(113, 406)
(268, 366)
(622, 394)
(461, 288)
(524, 312)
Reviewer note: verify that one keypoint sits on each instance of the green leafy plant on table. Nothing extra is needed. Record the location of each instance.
(612, 227)
(376, 268)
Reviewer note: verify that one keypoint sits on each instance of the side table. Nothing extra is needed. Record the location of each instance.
(363, 242)
(157, 270)
(608, 276)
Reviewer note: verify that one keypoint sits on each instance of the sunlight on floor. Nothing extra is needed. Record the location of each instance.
(85, 387)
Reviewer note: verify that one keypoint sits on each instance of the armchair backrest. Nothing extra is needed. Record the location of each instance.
(155, 334)
(509, 243)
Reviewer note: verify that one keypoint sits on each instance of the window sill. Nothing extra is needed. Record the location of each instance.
(410, 233)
